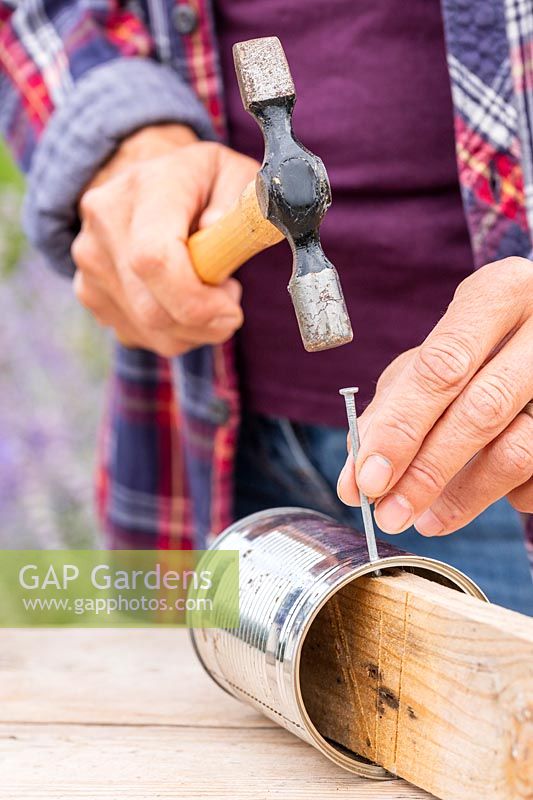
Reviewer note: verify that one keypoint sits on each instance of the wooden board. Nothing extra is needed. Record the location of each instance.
(127, 676)
(130, 715)
(435, 686)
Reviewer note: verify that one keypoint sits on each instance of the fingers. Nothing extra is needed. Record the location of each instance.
(91, 258)
(232, 177)
(105, 310)
(347, 489)
(506, 463)
(167, 342)
(521, 498)
(489, 403)
(479, 317)
(139, 305)
(170, 278)
(157, 255)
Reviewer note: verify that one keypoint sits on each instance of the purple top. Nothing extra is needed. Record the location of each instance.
(396, 230)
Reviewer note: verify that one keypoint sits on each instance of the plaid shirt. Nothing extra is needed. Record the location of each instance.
(76, 77)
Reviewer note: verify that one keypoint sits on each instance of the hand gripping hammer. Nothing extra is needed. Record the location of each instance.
(289, 197)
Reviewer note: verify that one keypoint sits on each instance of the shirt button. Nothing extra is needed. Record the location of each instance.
(185, 18)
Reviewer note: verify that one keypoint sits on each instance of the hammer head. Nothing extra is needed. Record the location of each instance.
(262, 71)
(293, 192)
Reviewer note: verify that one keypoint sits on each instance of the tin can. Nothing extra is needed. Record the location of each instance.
(291, 562)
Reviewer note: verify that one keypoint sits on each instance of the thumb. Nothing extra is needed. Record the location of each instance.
(234, 172)
(211, 214)
(233, 289)
(223, 198)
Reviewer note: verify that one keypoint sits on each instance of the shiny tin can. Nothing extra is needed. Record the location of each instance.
(292, 561)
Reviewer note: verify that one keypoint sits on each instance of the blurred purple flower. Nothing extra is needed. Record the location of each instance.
(53, 360)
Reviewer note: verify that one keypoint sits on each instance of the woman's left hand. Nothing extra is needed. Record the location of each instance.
(446, 434)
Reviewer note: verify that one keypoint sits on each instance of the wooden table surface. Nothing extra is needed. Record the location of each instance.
(111, 714)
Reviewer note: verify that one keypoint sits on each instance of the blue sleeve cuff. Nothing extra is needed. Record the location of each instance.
(109, 103)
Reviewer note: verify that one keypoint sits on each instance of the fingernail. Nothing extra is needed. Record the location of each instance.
(394, 513)
(210, 216)
(375, 475)
(428, 524)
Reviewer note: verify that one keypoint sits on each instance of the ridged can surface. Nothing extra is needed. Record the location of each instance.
(291, 562)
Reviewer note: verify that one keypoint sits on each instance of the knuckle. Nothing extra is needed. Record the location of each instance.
(193, 310)
(394, 368)
(155, 318)
(149, 313)
(398, 423)
(428, 474)
(521, 499)
(209, 152)
(80, 251)
(518, 275)
(91, 203)
(145, 263)
(496, 284)
(465, 286)
(487, 404)
(444, 363)
(514, 455)
(87, 255)
(452, 509)
(521, 268)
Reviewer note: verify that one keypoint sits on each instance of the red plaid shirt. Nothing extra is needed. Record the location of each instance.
(77, 76)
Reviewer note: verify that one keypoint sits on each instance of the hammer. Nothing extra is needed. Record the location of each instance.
(288, 198)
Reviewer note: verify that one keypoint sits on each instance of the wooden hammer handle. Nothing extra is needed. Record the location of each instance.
(216, 252)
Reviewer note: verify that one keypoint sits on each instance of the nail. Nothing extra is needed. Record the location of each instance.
(375, 475)
(394, 513)
(210, 216)
(428, 524)
(347, 476)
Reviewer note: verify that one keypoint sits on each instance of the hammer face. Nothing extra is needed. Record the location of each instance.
(320, 309)
(262, 71)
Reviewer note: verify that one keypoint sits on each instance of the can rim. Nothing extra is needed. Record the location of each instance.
(459, 581)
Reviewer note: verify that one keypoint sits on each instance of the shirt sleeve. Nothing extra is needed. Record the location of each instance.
(75, 79)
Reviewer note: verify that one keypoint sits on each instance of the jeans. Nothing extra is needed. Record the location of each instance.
(281, 463)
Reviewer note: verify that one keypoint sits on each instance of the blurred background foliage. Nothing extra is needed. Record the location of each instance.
(11, 190)
(53, 362)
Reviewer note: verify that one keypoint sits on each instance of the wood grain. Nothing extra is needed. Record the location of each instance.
(114, 763)
(144, 677)
(131, 715)
(435, 686)
(216, 252)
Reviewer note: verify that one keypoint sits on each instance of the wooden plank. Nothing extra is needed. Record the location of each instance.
(435, 686)
(128, 676)
(142, 763)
